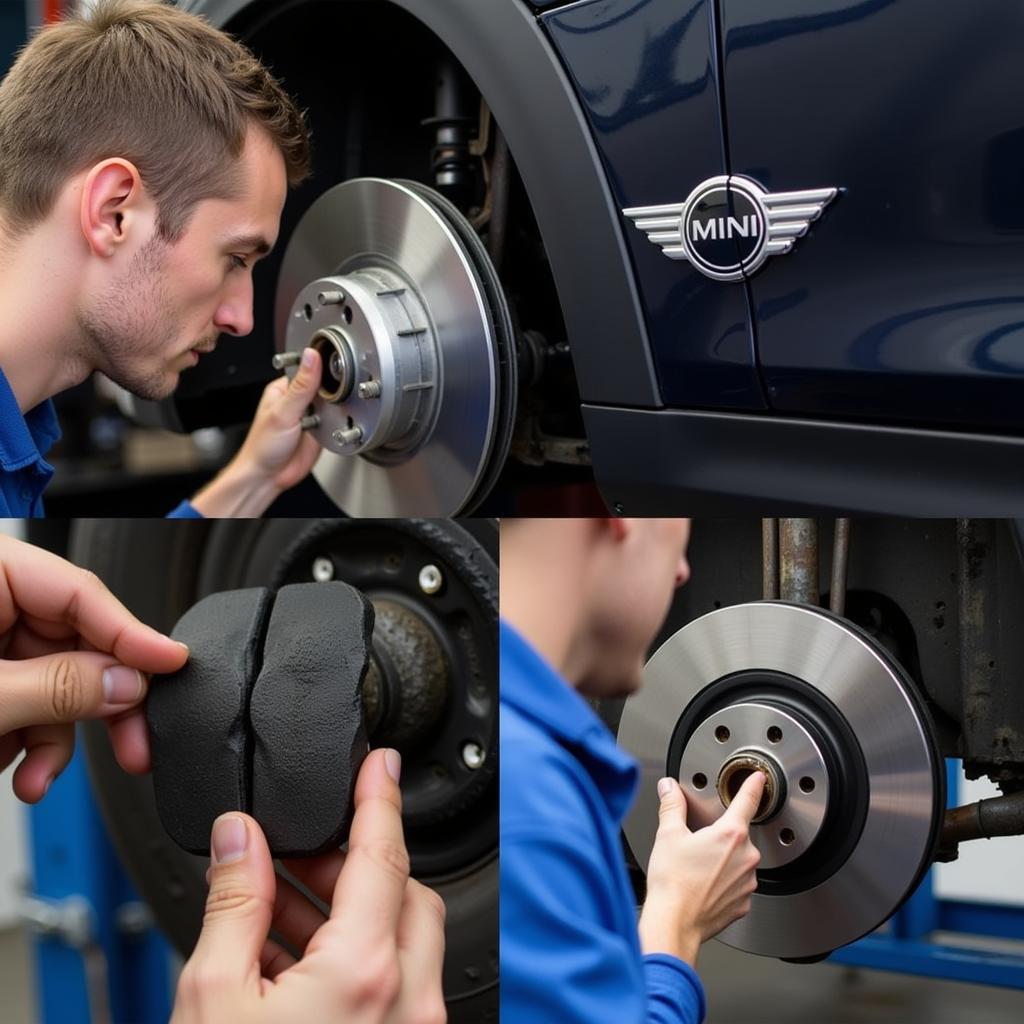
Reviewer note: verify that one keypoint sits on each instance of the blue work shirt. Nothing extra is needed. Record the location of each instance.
(24, 472)
(570, 951)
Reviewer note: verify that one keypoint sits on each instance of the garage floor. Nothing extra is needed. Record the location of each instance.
(744, 989)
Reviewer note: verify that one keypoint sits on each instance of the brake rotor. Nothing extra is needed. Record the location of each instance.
(390, 283)
(851, 814)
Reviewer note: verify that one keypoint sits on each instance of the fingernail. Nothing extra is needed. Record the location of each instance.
(230, 838)
(181, 644)
(307, 357)
(47, 785)
(664, 787)
(393, 763)
(121, 684)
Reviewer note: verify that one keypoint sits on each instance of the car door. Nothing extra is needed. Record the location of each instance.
(904, 302)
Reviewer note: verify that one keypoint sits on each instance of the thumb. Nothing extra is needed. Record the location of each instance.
(302, 388)
(240, 901)
(65, 687)
(672, 809)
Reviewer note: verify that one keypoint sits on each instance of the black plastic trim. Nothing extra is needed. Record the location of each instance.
(505, 52)
(682, 462)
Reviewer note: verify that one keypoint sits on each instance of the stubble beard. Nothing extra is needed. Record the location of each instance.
(130, 323)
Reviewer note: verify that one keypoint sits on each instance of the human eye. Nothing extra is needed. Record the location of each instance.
(239, 263)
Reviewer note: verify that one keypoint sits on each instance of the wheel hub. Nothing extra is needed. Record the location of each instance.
(851, 812)
(393, 288)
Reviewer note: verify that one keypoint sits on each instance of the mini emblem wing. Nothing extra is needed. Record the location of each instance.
(663, 226)
(788, 215)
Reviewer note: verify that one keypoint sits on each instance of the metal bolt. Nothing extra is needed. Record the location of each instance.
(283, 359)
(430, 579)
(350, 436)
(330, 298)
(323, 569)
(369, 389)
(473, 755)
(310, 422)
(618, 508)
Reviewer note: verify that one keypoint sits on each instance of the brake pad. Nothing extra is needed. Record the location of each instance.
(265, 717)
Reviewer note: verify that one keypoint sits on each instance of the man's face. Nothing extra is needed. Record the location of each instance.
(632, 607)
(153, 320)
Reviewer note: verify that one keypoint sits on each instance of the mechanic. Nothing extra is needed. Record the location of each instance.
(144, 162)
(69, 650)
(582, 600)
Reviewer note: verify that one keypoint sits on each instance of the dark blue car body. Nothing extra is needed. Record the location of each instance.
(903, 306)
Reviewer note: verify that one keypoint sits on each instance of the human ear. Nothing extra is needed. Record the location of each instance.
(110, 197)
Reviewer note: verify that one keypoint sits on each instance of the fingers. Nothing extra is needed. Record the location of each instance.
(672, 806)
(302, 389)
(745, 803)
(421, 942)
(239, 904)
(371, 885)
(48, 749)
(57, 598)
(129, 738)
(318, 874)
(66, 687)
(294, 918)
(274, 959)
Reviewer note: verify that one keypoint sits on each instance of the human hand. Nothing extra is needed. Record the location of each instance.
(376, 958)
(698, 882)
(70, 650)
(276, 454)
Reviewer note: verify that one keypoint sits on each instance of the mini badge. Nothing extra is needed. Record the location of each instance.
(729, 225)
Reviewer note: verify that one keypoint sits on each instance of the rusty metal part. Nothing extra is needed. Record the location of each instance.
(770, 558)
(407, 685)
(840, 560)
(986, 819)
(977, 577)
(798, 561)
(738, 768)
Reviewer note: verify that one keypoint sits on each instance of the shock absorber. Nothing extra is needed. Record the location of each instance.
(451, 161)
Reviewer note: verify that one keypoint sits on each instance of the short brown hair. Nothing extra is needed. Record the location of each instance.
(147, 82)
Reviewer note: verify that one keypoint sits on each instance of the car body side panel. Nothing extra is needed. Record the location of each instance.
(905, 302)
(646, 75)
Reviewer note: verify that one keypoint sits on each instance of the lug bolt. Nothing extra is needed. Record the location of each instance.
(283, 359)
(323, 569)
(430, 579)
(473, 755)
(369, 389)
(351, 436)
(330, 298)
(310, 422)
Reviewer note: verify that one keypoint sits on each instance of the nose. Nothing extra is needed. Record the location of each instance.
(234, 312)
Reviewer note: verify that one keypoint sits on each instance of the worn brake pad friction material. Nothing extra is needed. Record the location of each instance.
(307, 718)
(197, 716)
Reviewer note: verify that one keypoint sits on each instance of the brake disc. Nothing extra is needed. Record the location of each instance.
(390, 283)
(855, 796)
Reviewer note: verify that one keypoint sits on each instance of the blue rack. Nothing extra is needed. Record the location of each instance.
(72, 857)
(905, 945)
